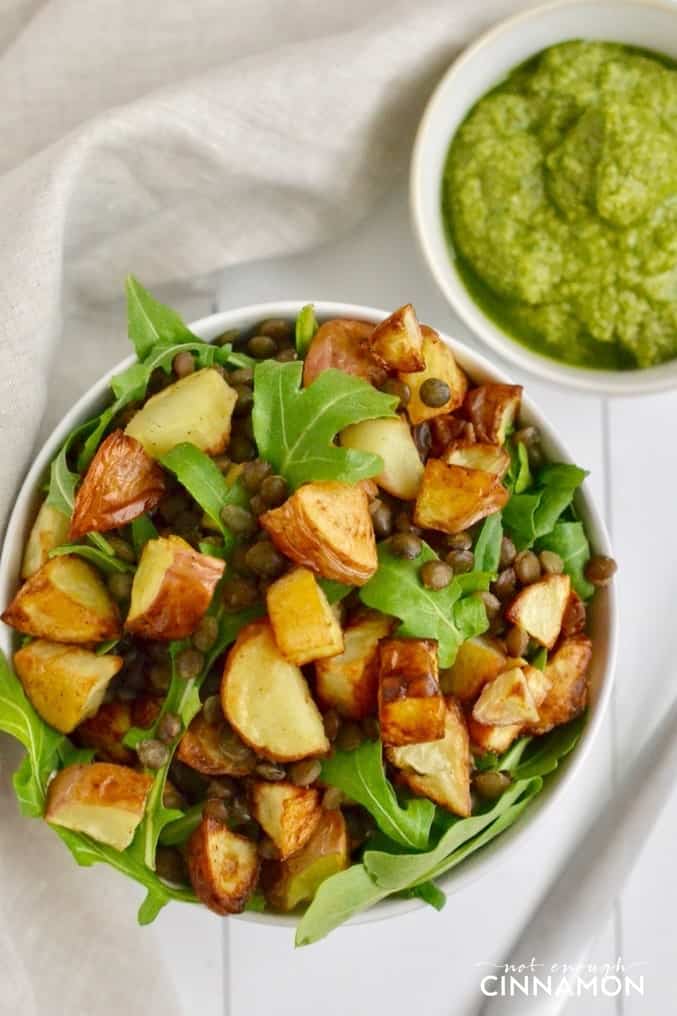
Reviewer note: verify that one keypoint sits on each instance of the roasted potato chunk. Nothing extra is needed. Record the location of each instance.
(104, 732)
(172, 589)
(122, 482)
(477, 455)
(410, 704)
(205, 748)
(326, 527)
(574, 621)
(103, 800)
(478, 661)
(390, 438)
(439, 770)
(287, 813)
(66, 684)
(348, 683)
(266, 699)
(198, 409)
(398, 341)
(568, 694)
(506, 700)
(65, 601)
(492, 410)
(494, 739)
(439, 363)
(223, 866)
(344, 344)
(304, 624)
(288, 883)
(50, 530)
(453, 498)
(540, 607)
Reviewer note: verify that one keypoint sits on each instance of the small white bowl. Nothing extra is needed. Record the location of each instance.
(479, 69)
(602, 615)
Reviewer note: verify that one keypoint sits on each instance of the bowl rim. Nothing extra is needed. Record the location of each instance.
(475, 363)
(635, 382)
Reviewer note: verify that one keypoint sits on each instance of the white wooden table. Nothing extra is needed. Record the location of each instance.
(428, 962)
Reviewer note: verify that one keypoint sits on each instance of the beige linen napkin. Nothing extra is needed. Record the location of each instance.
(170, 139)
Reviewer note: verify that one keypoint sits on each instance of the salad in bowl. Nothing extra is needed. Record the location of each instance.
(302, 617)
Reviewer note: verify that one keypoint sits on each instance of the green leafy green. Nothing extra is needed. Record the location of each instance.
(429, 893)
(151, 322)
(533, 514)
(487, 549)
(337, 900)
(306, 326)
(443, 614)
(546, 752)
(334, 591)
(295, 427)
(568, 539)
(518, 478)
(491, 762)
(105, 647)
(178, 831)
(62, 479)
(101, 560)
(361, 776)
(142, 530)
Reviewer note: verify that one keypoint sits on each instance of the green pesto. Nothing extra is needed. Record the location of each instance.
(560, 201)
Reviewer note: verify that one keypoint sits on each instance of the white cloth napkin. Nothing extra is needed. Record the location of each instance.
(169, 139)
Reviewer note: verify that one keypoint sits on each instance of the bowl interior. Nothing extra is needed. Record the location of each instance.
(602, 617)
(486, 63)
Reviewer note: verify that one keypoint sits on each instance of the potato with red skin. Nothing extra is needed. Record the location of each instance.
(202, 748)
(223, 866)
(446, 429)
(411, 708)
(122, 482)
(344, 345)
(65, 601)
(348, 683)
(327, 528)
(102, 800)
(452, 498)
(172, 589)
(398, 341)
(492, 409)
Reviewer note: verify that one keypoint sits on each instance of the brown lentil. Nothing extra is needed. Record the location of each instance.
(189, 663)
(267, 849)
(332, 722)
(120, 585)
(270, 771)
(241, 376)
(205, 634)
(122, 549)
(226, 338)
(213, 713)
(508, 553)
(600, 570)
(223, 463)
(172, 798)
(349, 737)
(491, 785)
(381, 519)
(403, 523)
(264, 559)
(261, 347)
(239, 520)
(436, 574)
(459, 541)
(239, 812)
(406, 545)
(505, 585)
(332, 798)
(492, 604)
(273, 491)
(170, 865)
(527, 567)
(277, 328)
(434, 392)
(183, 363)
(287, 355)
(153, 754)
(254, 473)
(241, 448)
(257, 505)
(423, 439)
(216, 808)
(245, 400)
(169, 727)
(461, 561)
(516, 641)
(240, 754)
(222, 789)
(398, 388)
(303, 773)
(238, 592)
(160, 675)
(551, 563)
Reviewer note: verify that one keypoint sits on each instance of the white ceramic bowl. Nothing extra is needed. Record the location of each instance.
(602, 615)
(482, 66)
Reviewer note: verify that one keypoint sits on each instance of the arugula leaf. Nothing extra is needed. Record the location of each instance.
(490, 762)
(151, 322)
(178, 831)
(306, 326)
(534, 513)
(546, 752)
(295, 427)
(396, 589)
(568, 539)
(429, 893)
(142, 530)
(105, 647)
(518, 478)
(205, 483)
(361, 776)
(334, 591)
(62, 479)
(96, 557)
(337, 900)
(487, 551)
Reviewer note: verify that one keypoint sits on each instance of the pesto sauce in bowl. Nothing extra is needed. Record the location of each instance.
(560, 202)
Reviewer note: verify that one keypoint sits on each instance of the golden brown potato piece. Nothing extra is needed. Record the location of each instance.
(103, 800)
(326, 527)
(439, 363)
(288, 883)
(172, 589)
(349, 683)
(65, 601)
(344, 344)
(50, 530)
(539, 608)
(288, 814)
(478, 455)
(66, 684)
(538, 682)
(439, 770)
(122, 482)
(453, 498)
(410, 704)
(446, 429)
(568, 694)
(266, 699)
(391, 438)
(304, 624)
(488, 738)
(198, 408)
(506, 700)
(492, 410)
(223, 866)
(478, 661)
(575, 619)
(398, 341)
(104, 732)
(204, 748)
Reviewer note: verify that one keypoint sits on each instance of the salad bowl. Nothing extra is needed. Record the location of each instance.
(601, 614)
